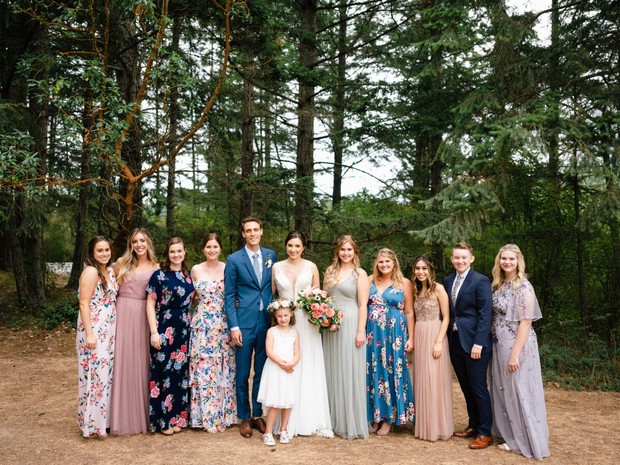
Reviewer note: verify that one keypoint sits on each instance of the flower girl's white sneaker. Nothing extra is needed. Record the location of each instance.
(268, 439)
(284, 437)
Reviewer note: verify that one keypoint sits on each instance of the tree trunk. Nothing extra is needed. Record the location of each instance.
(340, 105)
(79, 246)
(304, 186)
(246, 203)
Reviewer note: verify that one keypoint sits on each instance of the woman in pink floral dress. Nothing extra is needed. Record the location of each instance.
(95, 339)
(213, 403)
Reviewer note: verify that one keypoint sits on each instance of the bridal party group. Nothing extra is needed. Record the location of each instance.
(161, 347)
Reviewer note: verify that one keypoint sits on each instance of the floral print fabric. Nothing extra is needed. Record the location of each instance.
(169, 385)
(95, 365)
(212, 361)
(388, 382)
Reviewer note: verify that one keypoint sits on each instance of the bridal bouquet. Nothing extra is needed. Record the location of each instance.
(320, 309)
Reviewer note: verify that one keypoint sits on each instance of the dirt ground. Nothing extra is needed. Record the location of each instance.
(38, 400)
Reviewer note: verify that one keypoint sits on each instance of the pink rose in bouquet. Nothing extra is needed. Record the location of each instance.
(320, 309)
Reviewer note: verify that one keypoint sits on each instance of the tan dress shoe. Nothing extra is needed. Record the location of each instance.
(481, 442)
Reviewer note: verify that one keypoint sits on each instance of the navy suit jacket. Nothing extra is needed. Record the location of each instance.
(241, 286)
(472, 311)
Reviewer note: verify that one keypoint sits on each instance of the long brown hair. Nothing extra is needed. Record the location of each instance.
(90, 259)
(129, 261)
(333, 270)
(430, 280)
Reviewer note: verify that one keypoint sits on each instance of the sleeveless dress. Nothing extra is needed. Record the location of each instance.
(390, 394)
(278, 389)
(213, 401)
(518, 399)
(345, 366)
(95, 365)
(432, 377)
(169, 386)
(311, 412)
(129, 413)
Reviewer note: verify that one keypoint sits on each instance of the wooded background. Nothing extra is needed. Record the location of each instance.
(184, 116)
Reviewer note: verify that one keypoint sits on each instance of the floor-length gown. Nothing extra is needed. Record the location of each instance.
(518, 399)
(169, 384)
(213, 402)
(432, 376)
(390, 393)
(129, 412)
(95, 366)
(310, 415)
(345, 365)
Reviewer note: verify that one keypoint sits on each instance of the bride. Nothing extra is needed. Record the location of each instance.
(310, 414)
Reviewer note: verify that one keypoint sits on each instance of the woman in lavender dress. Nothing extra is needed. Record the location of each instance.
(518, 400)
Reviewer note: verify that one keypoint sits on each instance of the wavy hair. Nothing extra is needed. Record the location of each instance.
(333, 270)
(90, 259)
(129, 261)
(431, 280)
(498, 274)
(396, 275)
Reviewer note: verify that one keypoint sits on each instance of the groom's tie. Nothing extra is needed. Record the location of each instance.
(257, 268)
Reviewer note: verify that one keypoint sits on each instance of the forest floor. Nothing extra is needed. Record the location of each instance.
(38, 401)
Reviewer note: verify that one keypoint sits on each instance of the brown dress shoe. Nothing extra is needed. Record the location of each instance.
(481, 442)
(245, 429)
(466, 433)
(259, 424)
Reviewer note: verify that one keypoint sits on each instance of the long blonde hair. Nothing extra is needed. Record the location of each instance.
(129, 261)
(333, 270)
(397, 275)
(498, 273)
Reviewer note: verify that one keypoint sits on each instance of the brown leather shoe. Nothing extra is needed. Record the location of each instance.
(245, 429)
(466, 433)
(259, 424)
(481, 442)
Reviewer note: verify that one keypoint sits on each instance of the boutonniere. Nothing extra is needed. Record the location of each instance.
(268, 262)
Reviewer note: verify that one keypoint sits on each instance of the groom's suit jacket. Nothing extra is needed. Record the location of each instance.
(243, 292)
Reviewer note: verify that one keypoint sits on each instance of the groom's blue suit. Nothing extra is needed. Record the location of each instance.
(243, 296)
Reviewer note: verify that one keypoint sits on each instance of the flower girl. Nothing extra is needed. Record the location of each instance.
(278, 382)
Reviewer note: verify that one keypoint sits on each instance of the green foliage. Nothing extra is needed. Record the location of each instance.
(61, 312)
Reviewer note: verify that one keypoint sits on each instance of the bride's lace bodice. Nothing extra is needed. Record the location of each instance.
(285, 287)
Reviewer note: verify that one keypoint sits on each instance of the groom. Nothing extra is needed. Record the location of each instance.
(470, 342)
(247, 288)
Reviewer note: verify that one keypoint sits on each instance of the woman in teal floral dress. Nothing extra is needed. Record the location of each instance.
(170, 293)
(213, 403)
(389, 333)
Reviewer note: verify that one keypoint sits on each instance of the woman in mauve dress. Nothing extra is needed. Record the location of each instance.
(129, 412)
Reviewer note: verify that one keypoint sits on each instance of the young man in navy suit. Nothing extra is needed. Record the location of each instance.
(247, 293)
(469, 333)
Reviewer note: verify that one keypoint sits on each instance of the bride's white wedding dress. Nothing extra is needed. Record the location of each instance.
(310, 414)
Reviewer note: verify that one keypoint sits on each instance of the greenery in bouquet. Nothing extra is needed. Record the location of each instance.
(320, 309)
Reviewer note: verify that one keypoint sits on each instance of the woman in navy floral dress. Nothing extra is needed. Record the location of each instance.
(170, 293)
(389, 333)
